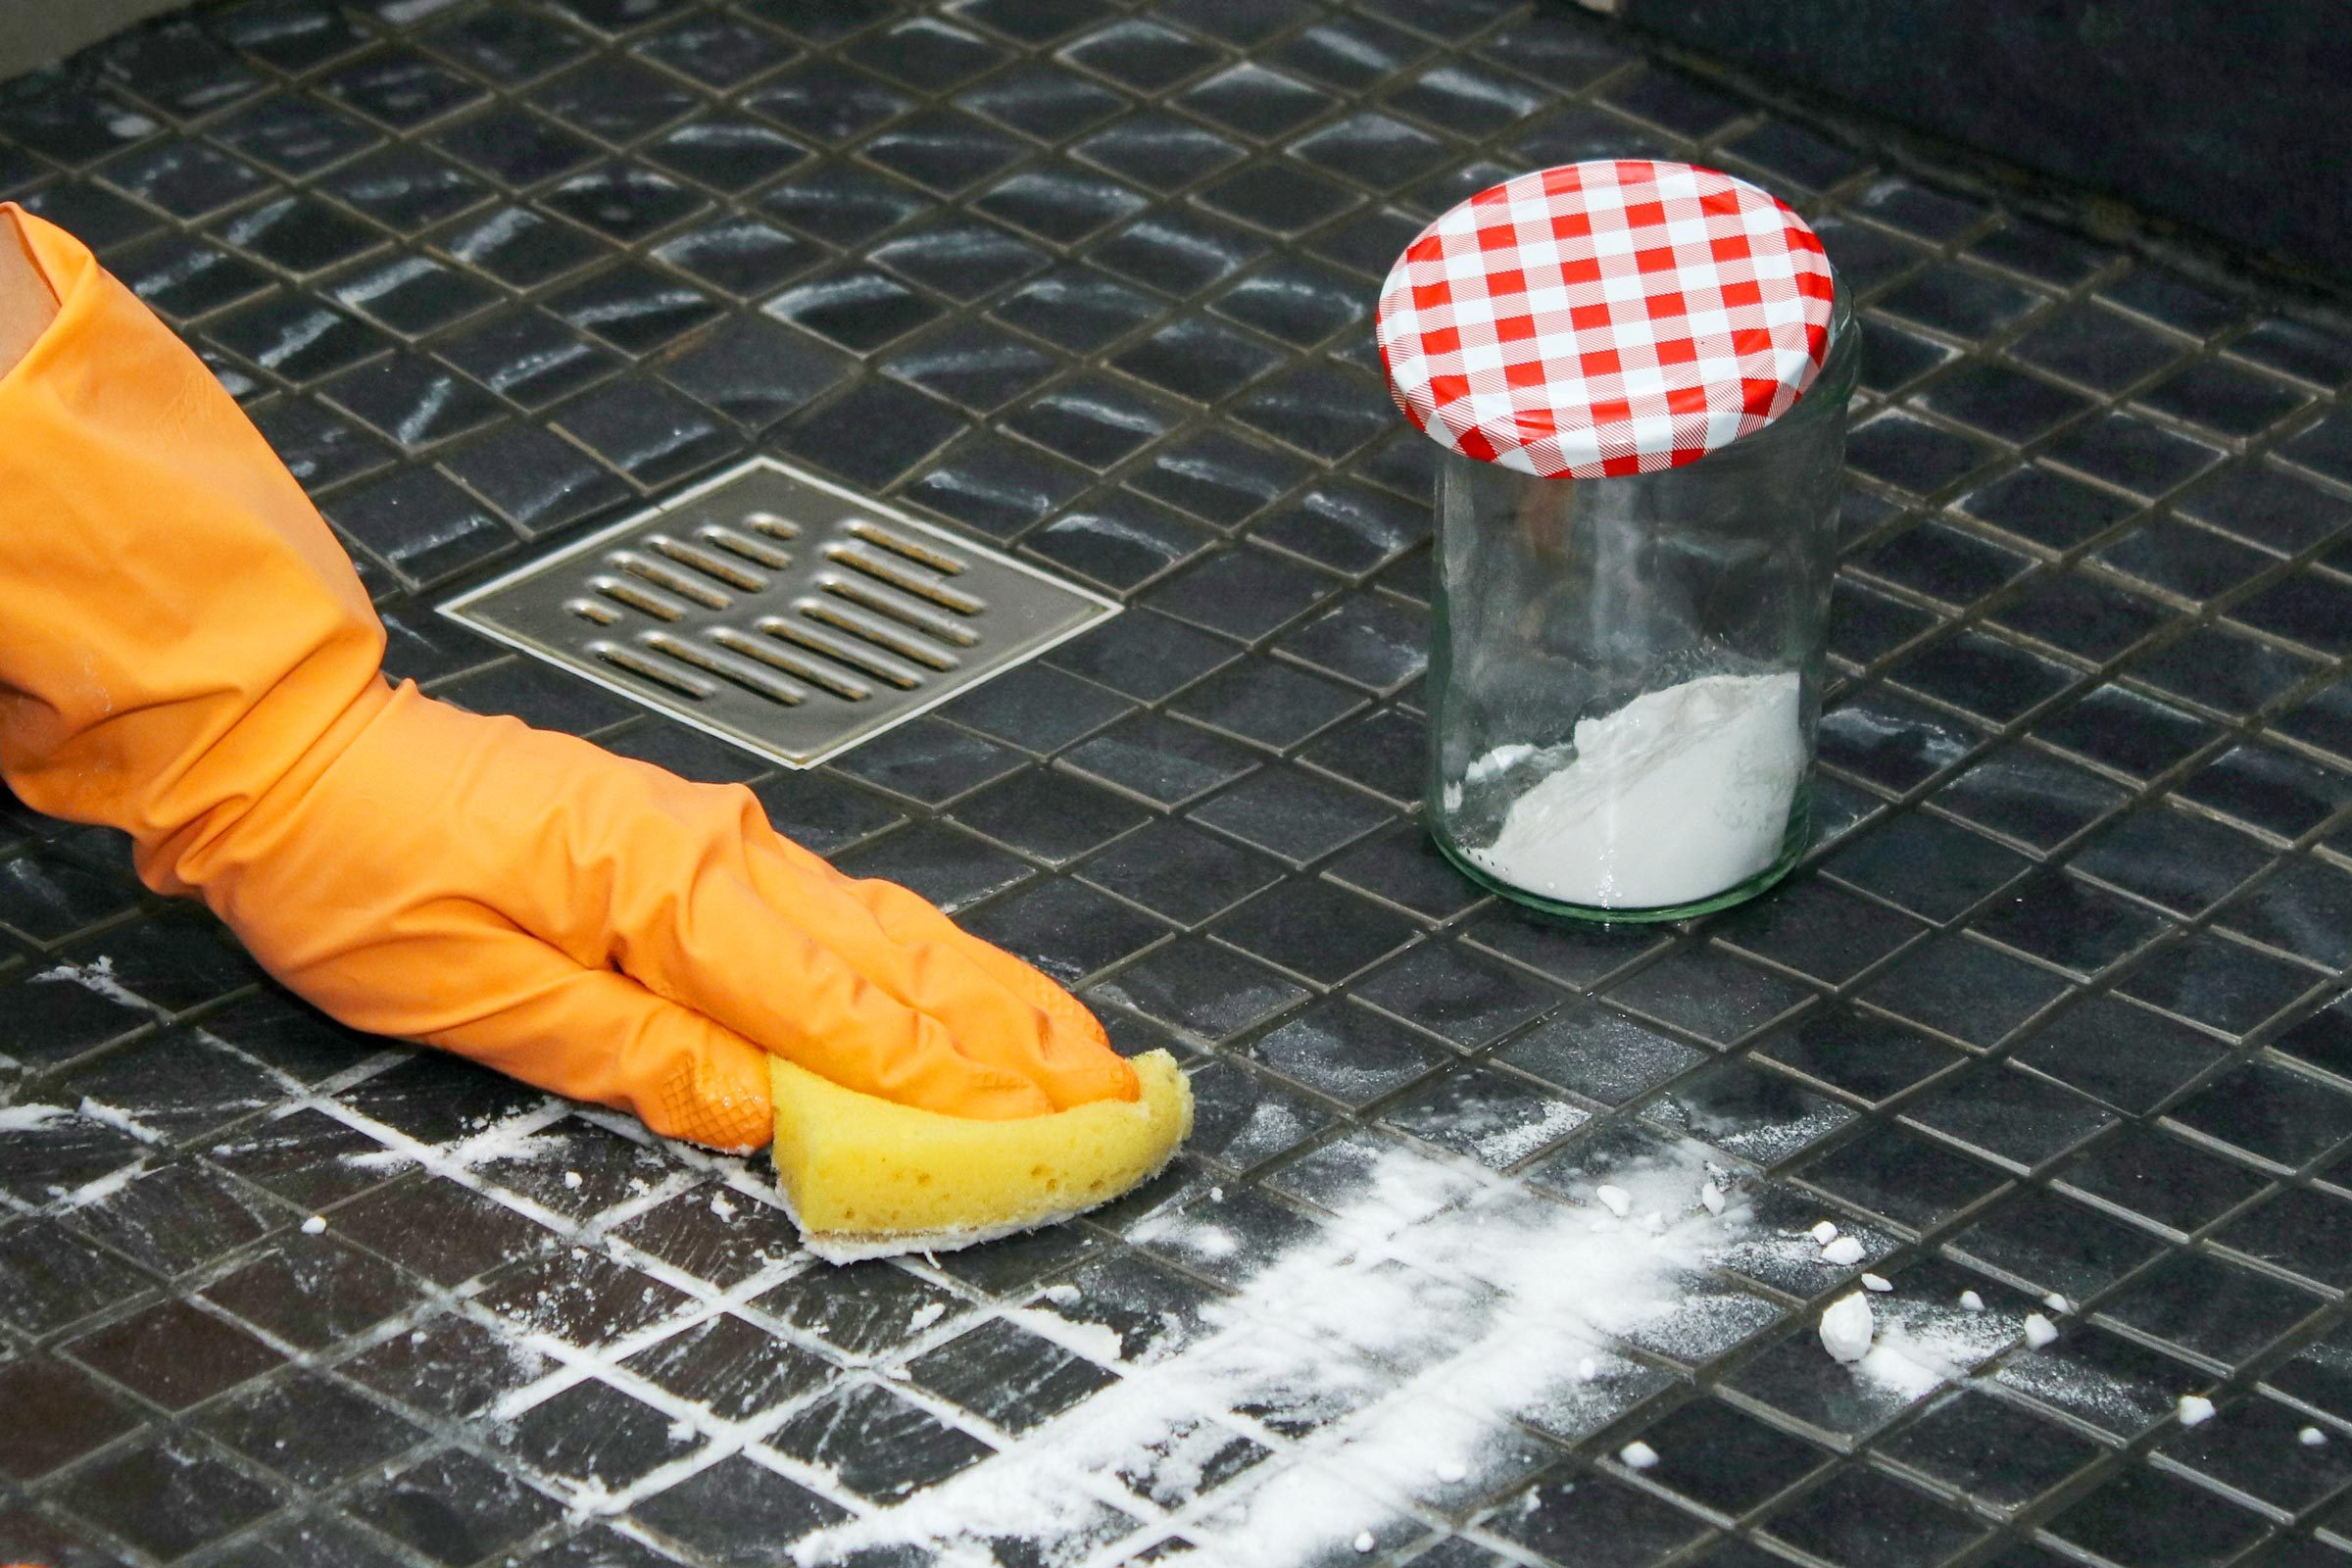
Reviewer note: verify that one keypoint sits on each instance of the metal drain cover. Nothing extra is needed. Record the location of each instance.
(780, 611)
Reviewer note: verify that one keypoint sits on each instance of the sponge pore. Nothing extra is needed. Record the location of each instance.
(865, 1177)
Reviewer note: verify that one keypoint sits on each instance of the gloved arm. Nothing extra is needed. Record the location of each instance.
(185, 654)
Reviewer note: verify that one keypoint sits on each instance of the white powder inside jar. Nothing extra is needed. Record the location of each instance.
(1677, 794)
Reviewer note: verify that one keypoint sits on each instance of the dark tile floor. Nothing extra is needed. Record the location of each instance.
(2047, 1024)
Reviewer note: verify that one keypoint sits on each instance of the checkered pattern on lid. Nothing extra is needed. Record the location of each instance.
(1606, 317)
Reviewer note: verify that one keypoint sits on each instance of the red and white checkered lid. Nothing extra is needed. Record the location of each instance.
(1606, 317)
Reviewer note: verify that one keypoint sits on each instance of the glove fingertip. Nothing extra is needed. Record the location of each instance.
(717, 1099)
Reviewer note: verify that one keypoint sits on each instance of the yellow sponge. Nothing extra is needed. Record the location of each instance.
(866, 1178)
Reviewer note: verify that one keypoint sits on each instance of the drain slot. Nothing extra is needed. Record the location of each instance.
(708, 565)
(888, 572)
(775, 608)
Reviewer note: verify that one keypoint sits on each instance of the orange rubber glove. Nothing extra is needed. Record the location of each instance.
(185, 654)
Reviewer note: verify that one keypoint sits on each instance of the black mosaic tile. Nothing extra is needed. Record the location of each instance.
(399, 87)
(877, 1444)
(718, 51)
(308, 1429)
(2096, 348)
(172, 1353)
(2110, 1383)
(286, 33)
(513, 146)
(1066, 928)
(317, 448)
(626, 202)
(67, 1414)
(445, 1232)
(2223, 669)
(1902, 1178)
(2222, 398)
(294, 135)
(740, 256)
(418, 522)
(314, 1292)
(1315, 930)
(167, 1493)
(2045, 507)
(2298, 910)
(648, 432)
(2075, 1046)
(181, 278)
(1861, 1512)
(537, 481)
(1862, 1055)
(507, 47)
(1122, 542)
(453, 1507)
(2273, 1114)
(2210, 1307)
(2171, 299)
(1095, 420)
(2265, 505)
(448, 1367)
(635, 309)
(2069, 923)
(616, 99)
(520, 246)
(2134, 454)
(2080, 614)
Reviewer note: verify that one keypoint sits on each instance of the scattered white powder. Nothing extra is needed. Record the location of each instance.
(314, 1225)
(1844, 1252)
(123, 1122)
(1364, 1541)
(2195, 1410)
(1096, 1341)
(31, 1118)
(106, 1186)
(2312, 1438)
(1677, 794)
(927, 1316)
(98, 976)
(1711, 1196)
(1846, 1328)
(1972, 1300)
(1616, 1200)
(2039, 1330)
(571, 1181)
(1823, 1231)
(721, 1207)
(1062, 1294)
(1877, 1283)
(1414, 1333)
(1637, 1455)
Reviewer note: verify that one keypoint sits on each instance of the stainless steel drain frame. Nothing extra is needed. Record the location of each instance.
(780, 611)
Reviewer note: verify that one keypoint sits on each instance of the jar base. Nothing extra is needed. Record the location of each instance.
(1597, 914)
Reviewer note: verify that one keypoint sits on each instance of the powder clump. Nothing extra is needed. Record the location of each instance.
(1677, 796)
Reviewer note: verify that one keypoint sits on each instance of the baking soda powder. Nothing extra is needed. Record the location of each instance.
(1677, 796)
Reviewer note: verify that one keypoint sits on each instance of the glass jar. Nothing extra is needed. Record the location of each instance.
(1625, 671)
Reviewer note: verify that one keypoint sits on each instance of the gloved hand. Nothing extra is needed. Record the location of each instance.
(185, 654)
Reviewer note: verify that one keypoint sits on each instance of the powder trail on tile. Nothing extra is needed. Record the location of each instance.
(1409, 1335)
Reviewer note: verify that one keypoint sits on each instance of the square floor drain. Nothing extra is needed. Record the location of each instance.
(781, 612)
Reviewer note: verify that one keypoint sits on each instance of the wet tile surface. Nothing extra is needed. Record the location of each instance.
(2049, 1023)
